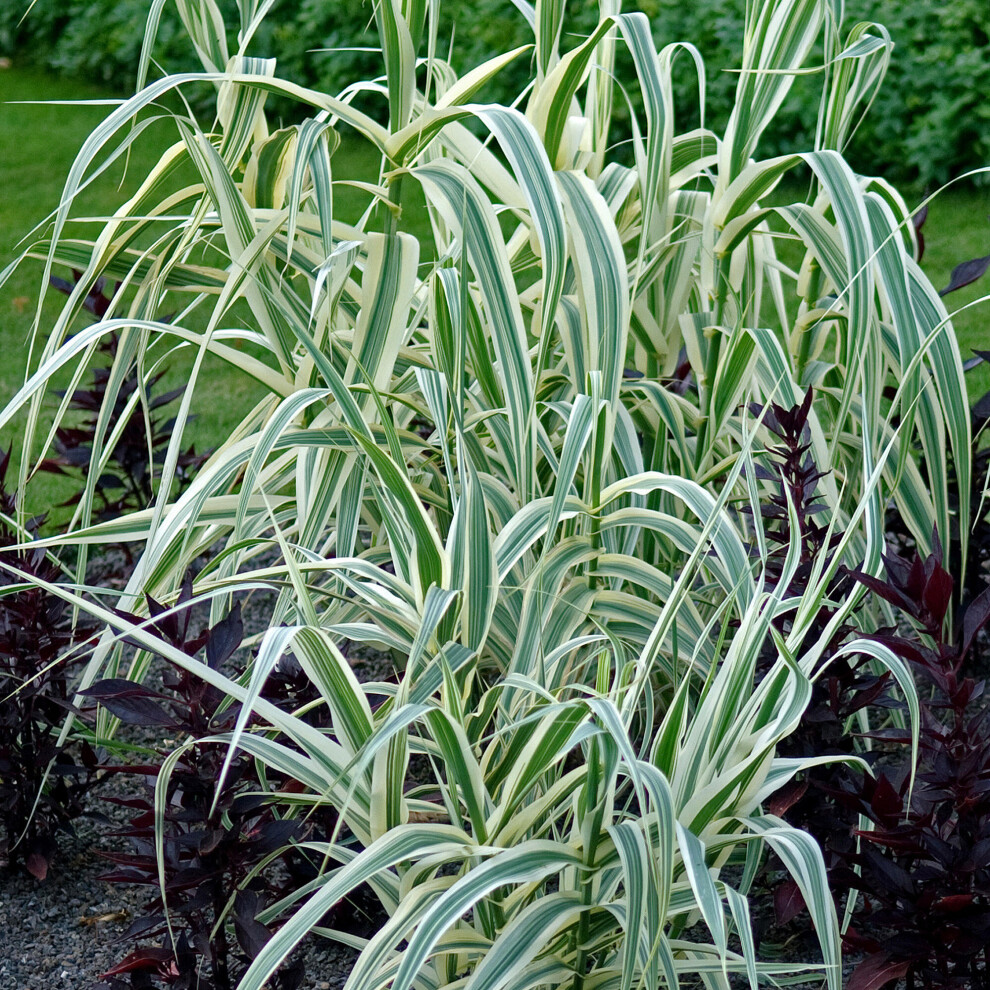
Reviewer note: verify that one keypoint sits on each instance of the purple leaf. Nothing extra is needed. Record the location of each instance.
(225, 637)
(165, 398)
(142, 926)
(884, 590)
(966, 273)
(167, 625)
(275, 834)
(251, 933)
(788, 902)
(137, 711)
(919, 221)
(981, 408)
(788, 795)
(63, 285)
(118, 687)
(146, 957)
(37, 866)
(952, 903)
(209, 840)
(938, 594)
(937, 552)
(885, 801)
(876, 972)
(976, 617)
(898, 569)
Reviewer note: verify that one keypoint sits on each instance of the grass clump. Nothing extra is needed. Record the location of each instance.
(516, 439)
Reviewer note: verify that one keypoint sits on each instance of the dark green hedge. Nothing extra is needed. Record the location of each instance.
(930, 122)
(931, 119)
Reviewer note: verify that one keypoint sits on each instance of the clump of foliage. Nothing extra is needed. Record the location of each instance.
(922, 866)
(922, 869)
(846, 685)
(449, 462)
(41, 782)
(796, 513)
(791, 468)
(927, 122)
(220, 832)
(140, 434)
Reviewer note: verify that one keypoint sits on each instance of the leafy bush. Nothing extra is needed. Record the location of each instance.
(929, 121)
(90, 38)
(940, 67)
(848, 686)
(218, 831)
(521, 456)
(41, 783)
(922, 865)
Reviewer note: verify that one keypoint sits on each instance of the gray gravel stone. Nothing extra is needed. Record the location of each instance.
(64, 931)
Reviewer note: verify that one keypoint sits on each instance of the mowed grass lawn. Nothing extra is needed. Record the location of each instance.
(39, 142)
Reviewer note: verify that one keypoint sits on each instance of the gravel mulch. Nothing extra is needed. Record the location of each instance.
(60, 932)
(64, 931)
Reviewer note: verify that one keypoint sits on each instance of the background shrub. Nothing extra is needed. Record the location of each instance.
(930, 121)
(98, 39)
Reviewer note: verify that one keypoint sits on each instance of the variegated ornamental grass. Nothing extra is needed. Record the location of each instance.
(450, 459)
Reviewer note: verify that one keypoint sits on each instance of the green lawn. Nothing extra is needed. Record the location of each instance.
(957, 229)
(39, 142)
